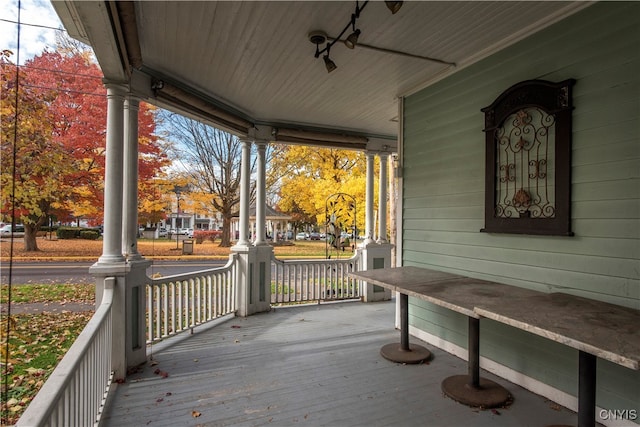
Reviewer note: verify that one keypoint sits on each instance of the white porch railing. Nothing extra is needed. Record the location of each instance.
(180, 302)
(299, 281)
(75, 393)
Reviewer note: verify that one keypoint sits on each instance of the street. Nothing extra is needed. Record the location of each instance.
(78, 272)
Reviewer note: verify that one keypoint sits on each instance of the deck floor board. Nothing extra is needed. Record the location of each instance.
(307, 365)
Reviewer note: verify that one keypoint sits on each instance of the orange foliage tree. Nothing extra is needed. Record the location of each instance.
(56, 126)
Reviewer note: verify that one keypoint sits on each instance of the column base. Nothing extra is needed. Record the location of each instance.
(416, 353)
(107, 260)
(489, 394)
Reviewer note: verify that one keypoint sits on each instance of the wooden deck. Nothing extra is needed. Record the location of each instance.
(307, 365)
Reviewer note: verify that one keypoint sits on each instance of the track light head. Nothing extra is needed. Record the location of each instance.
(394, 6)
(352, 40)
(329, 63)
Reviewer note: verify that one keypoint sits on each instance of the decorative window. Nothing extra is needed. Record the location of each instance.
(528, 159)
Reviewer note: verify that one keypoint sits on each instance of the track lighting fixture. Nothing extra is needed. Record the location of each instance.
(319, 37)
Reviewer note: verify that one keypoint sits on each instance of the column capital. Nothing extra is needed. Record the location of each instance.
(116, 88)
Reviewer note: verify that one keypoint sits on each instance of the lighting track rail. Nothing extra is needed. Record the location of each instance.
(320, 37)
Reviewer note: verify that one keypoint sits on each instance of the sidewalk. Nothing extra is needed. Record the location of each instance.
(51, 307)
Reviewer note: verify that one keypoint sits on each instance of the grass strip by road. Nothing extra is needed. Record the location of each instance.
(47, 293)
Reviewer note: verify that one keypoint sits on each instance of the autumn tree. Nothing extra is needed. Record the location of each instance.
(70, 83)
(310, 175)
(211, 159)
(31, 160)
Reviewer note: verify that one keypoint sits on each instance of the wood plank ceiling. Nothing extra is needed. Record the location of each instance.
(255, 58)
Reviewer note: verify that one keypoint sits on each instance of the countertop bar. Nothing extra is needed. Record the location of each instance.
(595, 328)
(458, 293)
(608, 331)
(392, 278)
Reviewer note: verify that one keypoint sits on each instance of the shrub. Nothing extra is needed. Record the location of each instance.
(67, 232)
(89, 235)
(202, 235)
(77, 233)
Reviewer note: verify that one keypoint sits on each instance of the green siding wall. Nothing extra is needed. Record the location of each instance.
(443, 190)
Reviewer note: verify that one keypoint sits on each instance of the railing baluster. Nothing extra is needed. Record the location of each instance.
(209, 298)
(171, 310)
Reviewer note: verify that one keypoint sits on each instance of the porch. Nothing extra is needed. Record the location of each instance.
(309, 364)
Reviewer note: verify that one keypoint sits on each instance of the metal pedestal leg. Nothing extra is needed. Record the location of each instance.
(470, 389)
(405, 352)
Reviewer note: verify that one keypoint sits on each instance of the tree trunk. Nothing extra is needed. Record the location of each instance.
(225, 238)
(30, 243)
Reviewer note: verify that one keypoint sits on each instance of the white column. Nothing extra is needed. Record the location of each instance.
(112, 237)
(382, 199)
(261, 196)
(130, 211)
(369, 212)
(245, 183)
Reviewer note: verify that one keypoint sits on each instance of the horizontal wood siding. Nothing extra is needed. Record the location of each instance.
(443, 192)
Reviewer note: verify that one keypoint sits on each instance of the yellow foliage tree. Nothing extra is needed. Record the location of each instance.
(311, 175)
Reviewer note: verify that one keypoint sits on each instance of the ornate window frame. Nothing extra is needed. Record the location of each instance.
(521, 194)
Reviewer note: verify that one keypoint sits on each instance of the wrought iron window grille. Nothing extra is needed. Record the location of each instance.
(528, 159)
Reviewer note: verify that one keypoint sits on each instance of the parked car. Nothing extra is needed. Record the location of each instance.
(314, 236)
(301, 236)
(5, 230)
(190, 233)
(162, 232)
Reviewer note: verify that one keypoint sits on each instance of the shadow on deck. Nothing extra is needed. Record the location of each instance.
(306, 365)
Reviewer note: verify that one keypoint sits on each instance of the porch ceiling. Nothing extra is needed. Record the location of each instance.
(253, 64)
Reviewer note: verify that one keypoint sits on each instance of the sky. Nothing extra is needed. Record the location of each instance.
(35, 16)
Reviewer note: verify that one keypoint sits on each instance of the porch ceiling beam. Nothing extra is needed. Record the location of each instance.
(324, 139)
(178, 97)
(127, 30)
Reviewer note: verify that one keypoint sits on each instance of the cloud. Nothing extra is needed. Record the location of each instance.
(36, 34)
